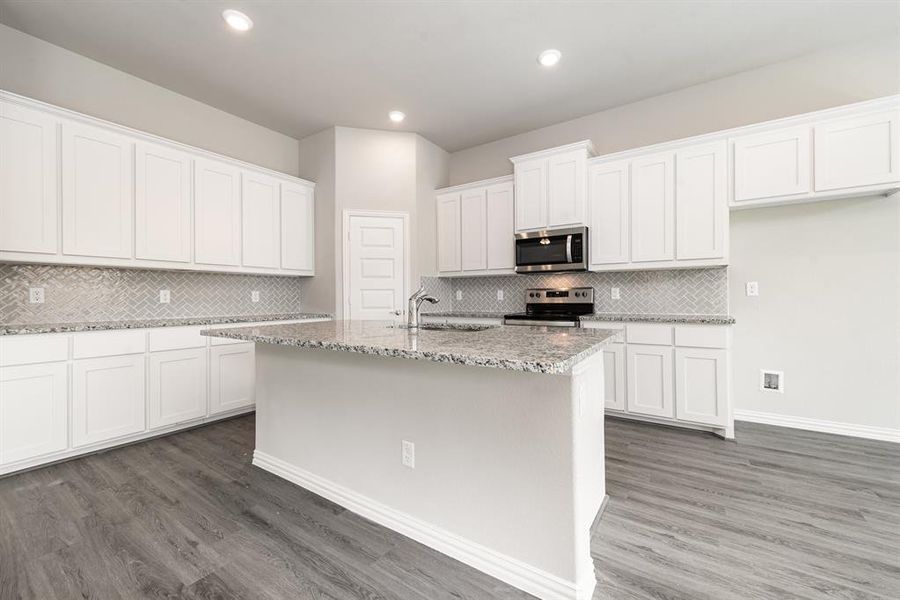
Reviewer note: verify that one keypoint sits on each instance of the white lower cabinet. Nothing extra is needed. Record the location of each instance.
(177, 386)
(232, 377)
(614, 376)
(107, 398)
(649, 373)
(33, 411)
(701, 385)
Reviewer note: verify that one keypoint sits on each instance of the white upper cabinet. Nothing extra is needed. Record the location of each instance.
(551, 187)
(28, 180)
(448, 233)
(473, 230)
(217, 213)
(701, 202)
(609, 198)
(772, 164)
(97, 191)
(501, 251)
(857, 152)
(297, 227)
(260, 220)
(162, 227)
(653, 208)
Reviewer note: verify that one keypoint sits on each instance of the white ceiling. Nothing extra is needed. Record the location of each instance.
(464, 72)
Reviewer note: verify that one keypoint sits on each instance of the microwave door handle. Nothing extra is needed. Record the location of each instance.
(569, 248)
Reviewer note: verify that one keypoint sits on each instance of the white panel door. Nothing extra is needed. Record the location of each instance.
(609, 198)
(857, 152)
(614, 376)
(653, 208)
(501, 227)
(107, 398)
(297, 228)
(771, 165)
(566, 194)
(649, 380)
(376, 255)
(448, 225)
(260, 221)
(531, 194)
(28, 176)
(217, 213)
(177, 386)
(97, 192)
(701, 386)
(473, 230)
(232, 377)
(701, 202)
(33, 411)
(162, 227)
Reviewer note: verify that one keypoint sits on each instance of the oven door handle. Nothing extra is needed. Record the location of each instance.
(569, 248)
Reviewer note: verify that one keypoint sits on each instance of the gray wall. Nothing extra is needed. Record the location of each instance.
(829, 273)
(37, 69)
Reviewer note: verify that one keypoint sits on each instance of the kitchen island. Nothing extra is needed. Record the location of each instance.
(484, 443)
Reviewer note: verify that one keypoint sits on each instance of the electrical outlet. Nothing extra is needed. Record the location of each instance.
(752, 288)
(499, 295)
(254, 296)
(771, 381)
(408, 454)
(165, 296)
(459, 294)
(614, 294)
(36, 295)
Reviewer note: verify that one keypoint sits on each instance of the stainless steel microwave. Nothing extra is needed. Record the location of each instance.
(552, 250)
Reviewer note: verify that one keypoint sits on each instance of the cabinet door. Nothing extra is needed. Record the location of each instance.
(701, 385)
(531, 194)
(232, 377)
(701, 203)
(28, 175)
(501, 228)
(653, 208)
(566, 178)
(260, 220)
(107, 398)
(97, 192)
(297, 228)
(773, 164)
(177, 386)
(614, 376)
(217, 213)
(649, 379)
(609, 197)
(162, 228)
(448, 223)
(857, 152)
(33, 411)
(473, 230)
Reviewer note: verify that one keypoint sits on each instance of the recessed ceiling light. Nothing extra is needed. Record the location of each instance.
(396, 116)
(549, 58)
(237, 20)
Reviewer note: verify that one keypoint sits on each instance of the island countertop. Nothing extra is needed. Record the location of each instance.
(530, 349)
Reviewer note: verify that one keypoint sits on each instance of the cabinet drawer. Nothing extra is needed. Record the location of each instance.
(701, 336)
(643, 333)
(109, 343)
(30, 349)
(176, 338)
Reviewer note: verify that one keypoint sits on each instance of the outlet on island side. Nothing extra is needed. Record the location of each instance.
(408, 454)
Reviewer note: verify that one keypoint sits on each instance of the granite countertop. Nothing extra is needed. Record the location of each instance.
(615, 317)
(32, 328)
(530, 349)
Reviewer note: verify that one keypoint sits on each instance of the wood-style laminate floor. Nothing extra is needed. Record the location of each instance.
(779, 514)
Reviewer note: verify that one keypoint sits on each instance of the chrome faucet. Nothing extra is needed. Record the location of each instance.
(415, 302)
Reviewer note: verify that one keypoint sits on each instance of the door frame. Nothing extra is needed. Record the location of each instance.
(345, 252)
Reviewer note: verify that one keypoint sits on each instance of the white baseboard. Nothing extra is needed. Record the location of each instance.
(516, 573)
(883, 434)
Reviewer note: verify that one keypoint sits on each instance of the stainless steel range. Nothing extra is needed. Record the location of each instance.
(554, 308)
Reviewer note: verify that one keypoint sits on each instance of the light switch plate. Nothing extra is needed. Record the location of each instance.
(614, 294)
(254, 296)
(36, 295)
(165, 296)
(752, 288)
(408, 454)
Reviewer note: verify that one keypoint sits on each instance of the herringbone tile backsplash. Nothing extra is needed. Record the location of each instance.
(688, 291)
(99, 294)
